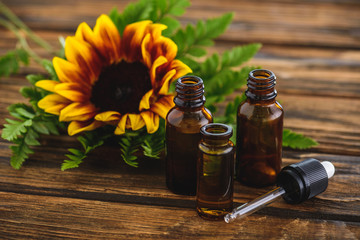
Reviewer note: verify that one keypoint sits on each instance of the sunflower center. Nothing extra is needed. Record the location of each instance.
(120, 87)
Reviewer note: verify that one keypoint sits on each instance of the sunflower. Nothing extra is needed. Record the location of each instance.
(112, 79)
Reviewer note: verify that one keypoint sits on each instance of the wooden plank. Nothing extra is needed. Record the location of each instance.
(27, 216)
(108, 178)
(299, 23)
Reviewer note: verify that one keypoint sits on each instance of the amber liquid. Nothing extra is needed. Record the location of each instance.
(215, 185)
(182, 154)
(259, 142)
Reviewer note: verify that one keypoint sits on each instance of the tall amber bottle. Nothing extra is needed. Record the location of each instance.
(183, 124)
(259, 131)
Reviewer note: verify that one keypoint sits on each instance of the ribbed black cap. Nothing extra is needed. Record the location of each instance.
(303, 180)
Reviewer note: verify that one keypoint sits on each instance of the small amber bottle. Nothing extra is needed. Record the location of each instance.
(214, 198)
(259, 131)
(183, 124)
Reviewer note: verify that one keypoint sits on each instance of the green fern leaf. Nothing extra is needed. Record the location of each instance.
(89, 142)
(20, 153)
(8, 64)
(239, 55)
(14, 129)
(200, 35)
(154, 143)
(296, 140)
(133, 12)
(129, 146)
(49, 67)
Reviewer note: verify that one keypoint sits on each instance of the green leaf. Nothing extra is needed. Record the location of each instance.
(12, 110)
(50, 125)
(227, 81)
(8, 64)
(209, 68)
(76, 152)
(31, 138)
(216, 26)
(20, 153)
(15, 128)
(200, 35)
(239, 55)
(25, 113)
(33, 78)
(22, 55)
(130, 143)
(49, 67)
(154, 143)
(177, 7)
(132, 13)
(231, 109)
(40, 127)
(197, 52)
(171, 23)
(89, 141)
(72, 162)
(296, 140)
(166, 8)
(194, 65)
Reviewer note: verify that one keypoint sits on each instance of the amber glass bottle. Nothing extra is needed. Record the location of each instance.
(259, 131)
(183, 124)
(214, 198)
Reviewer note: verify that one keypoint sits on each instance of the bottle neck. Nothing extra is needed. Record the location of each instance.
(261, 86)
(190, 92)
(216, 134)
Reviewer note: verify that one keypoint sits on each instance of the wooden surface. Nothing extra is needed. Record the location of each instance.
(314, 49)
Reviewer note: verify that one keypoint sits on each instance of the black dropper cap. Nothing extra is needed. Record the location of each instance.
(303, 180)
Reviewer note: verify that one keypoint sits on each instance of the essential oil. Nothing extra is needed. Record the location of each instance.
(259, 131)
(214, 198)
(183, 124)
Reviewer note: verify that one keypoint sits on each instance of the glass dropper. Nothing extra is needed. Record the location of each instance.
(297, 183)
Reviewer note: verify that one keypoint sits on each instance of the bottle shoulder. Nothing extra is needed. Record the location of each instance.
(179, 118)
(216, 149)
(265, 111)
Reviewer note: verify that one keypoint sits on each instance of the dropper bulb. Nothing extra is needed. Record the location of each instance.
(329, 167)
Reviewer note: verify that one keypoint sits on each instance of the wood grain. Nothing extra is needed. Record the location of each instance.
(87, 219)
(312, 46)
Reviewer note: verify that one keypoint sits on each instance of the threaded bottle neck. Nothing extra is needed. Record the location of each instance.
(261, 85)
(190, 92)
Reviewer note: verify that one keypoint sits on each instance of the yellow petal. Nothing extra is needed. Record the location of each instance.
(53, 103)
(73, 92)
(70, 72)
(78, 112)
(145, 52)
(85, 33)
(120, 129)
(166, 82)
(156, 29)
(47, 85)
(145, 101)
(77, 127)
(180, 67)
(158, 62)
(163, 105)
(107, 34)
(164, 46)
(132, 37)
(136, 122)
(151, 121)
(84, 56)
(108, 116)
